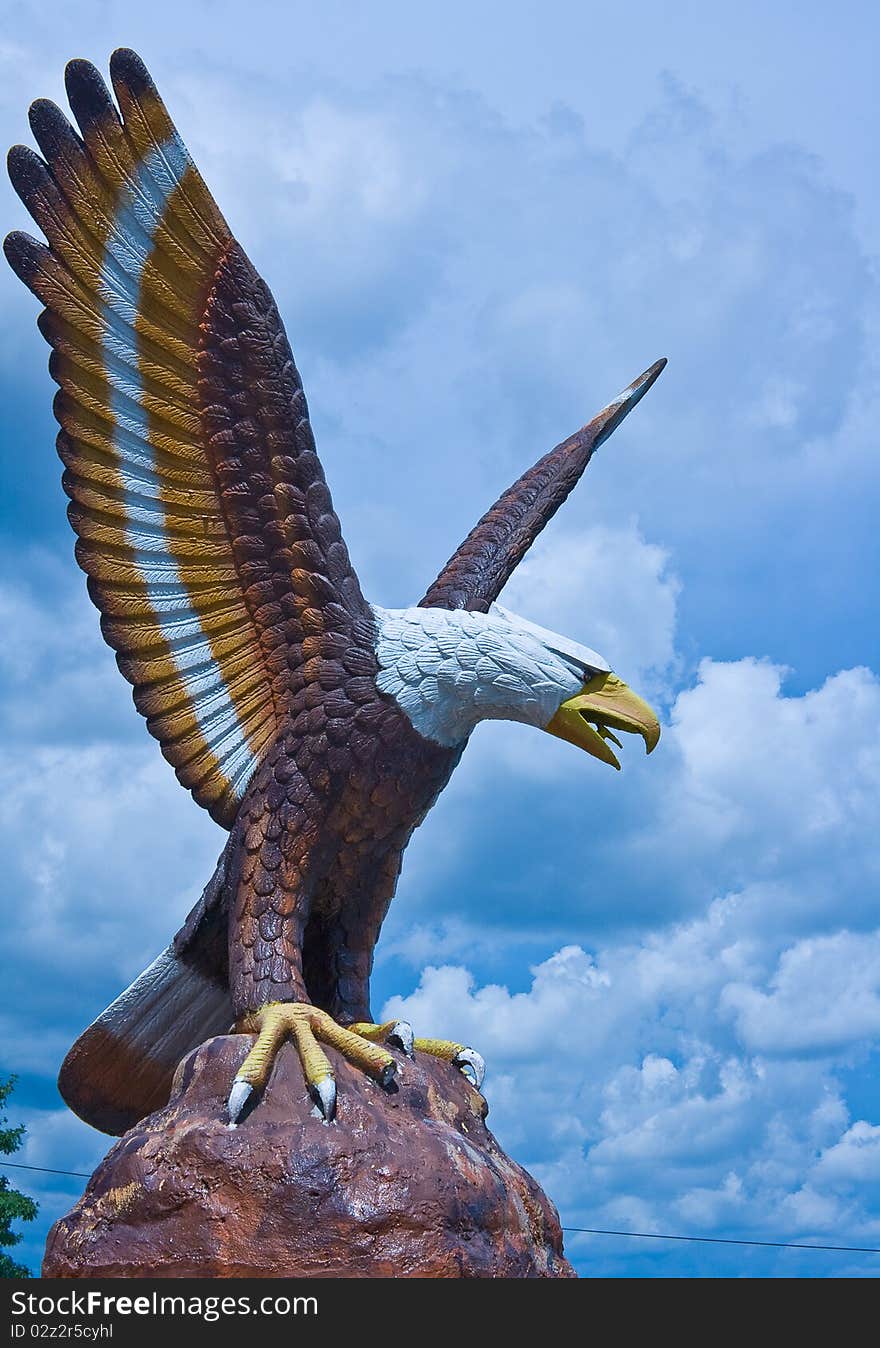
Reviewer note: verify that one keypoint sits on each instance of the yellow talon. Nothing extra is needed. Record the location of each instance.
(305, 1025)
(367, 1030)
(439, 1048)
(399, 1032)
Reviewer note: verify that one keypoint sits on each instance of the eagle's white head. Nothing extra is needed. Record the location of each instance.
(448, 669)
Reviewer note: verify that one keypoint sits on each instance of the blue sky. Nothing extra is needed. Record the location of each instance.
(480, 222)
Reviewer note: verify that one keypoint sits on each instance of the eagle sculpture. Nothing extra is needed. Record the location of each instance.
(315, 727)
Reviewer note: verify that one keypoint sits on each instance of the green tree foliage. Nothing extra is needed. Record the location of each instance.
(13, 1205)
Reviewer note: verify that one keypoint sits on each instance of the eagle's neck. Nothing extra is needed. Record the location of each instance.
(450, 669)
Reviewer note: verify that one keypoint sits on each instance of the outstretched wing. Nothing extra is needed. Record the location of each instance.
(477, 572)
(204, 523)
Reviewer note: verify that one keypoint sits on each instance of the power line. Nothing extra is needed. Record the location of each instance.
(725, 1240)
(582, 1230)
(17, 1165)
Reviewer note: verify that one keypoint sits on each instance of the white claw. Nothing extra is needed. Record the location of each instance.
(324, 1096)
(402, 1036)
(238, 1097)
(471, 1065)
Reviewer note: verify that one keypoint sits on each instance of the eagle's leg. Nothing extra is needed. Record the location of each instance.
(271, 996)
(308, 1027)
(338, 964)
(468, 1061)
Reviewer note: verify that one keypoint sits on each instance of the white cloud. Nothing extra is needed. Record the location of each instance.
(854, 1160)
(56, 1139)
(805, 769)
(54, 643)
(823, 996)
(102, 881)
(775, 789)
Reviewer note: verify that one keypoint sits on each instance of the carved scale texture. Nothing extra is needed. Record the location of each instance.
(318, 842)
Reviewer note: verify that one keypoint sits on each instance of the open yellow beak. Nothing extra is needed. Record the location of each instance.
(603, 705)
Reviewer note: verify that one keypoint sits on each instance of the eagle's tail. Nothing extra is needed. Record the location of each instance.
(122, 1066)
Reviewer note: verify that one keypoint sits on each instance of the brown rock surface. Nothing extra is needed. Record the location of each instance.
(403, 1184)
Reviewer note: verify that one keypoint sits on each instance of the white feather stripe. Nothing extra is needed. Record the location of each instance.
(213, 723)
(172, 168)
(207, 707)
(218, 725)
(127, 245)
(184, 624)
(168, 386)
(157, 181)
(168, 166)
(216, 731)
(153, 568)
(130, 415)
(130, 229)
(129, 248)
(71, 238)
(140, 209)
(140, 472)
(198, 654)
(120, 293)
(150, 511)
(200, 683)
(147, 541)
(249, 701)
(150, 489)
(239, 777)
(164, 599)
(118, 305)
(138, 636)
(205, 760)
(162, 326)
(181, 358)
(140, 218)
(239, 765)
(116, 347)
(181, 470)
(231, 753)
(146, 198)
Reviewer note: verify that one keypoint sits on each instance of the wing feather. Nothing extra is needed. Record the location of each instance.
(202, 518)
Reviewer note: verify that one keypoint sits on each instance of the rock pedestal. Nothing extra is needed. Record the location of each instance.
(408, 1183)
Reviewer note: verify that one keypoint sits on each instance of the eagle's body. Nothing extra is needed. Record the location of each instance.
(316, 728)
(318, 842)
